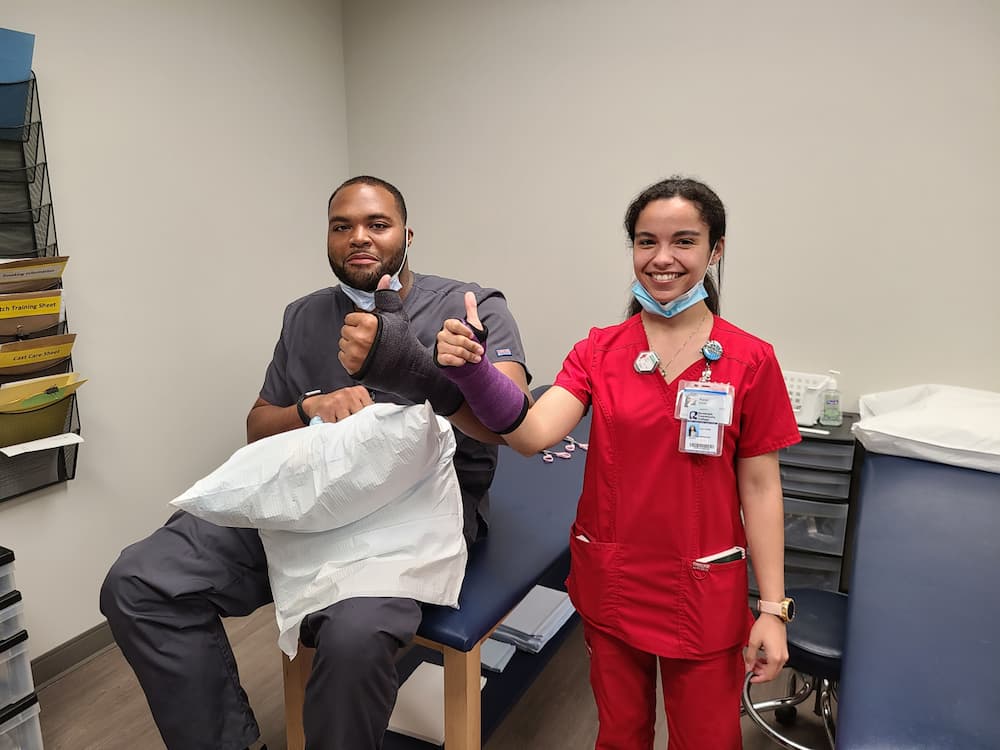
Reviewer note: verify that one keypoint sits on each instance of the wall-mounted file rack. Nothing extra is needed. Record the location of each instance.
(28, 231)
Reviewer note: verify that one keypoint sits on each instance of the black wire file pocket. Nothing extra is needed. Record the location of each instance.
(26, 232)
(34, 469)
(18, 108)
(23, 314)
(38, 357)
(35, 424)
(59, 367)
(23, 190)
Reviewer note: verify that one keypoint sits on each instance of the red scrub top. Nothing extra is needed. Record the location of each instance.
(648, 510)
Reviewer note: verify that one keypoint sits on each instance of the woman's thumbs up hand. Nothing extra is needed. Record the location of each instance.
(456, 343)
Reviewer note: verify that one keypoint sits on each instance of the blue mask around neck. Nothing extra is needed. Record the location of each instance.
(366, 300)
(692, 296)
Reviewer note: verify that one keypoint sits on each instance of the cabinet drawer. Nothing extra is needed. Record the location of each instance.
(11, 616)
(818, 454)
(815, 526)
(803, 570)
(19, 727)
(6, 578)
(813, 483)
(15, 671)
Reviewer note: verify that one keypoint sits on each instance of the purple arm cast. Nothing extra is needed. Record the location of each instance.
(496, 400)
(400, 364)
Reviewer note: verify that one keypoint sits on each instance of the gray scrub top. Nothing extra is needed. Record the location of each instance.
(305, 359)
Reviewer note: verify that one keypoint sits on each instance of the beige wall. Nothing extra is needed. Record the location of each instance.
(192, 147)
(854, 143)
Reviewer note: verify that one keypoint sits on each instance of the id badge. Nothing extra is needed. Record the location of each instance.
(702, 401)
(701, 437)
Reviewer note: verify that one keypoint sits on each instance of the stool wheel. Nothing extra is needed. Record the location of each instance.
(786, 715)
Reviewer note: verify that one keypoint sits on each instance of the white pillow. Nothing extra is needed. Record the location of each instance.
(324, 476)
(413, 548)
(941, 423)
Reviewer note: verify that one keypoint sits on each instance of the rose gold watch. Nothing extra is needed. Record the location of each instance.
(784, 610)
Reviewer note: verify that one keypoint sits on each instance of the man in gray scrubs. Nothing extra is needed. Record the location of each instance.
(341, 349)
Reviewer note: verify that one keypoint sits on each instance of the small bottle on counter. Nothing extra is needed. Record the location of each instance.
(831, 416)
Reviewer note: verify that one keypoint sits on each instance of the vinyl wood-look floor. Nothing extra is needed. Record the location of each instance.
(99, 706)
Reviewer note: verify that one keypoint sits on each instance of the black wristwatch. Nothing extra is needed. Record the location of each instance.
(298, 405)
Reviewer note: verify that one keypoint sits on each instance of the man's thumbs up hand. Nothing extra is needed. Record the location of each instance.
(391, 359)
(387, 300)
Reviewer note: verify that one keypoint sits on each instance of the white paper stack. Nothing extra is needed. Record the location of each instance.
(536, 619)
(495, 654)
(419, 710)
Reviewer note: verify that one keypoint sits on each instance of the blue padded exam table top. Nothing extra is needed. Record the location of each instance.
(532, 507)
(922, 652)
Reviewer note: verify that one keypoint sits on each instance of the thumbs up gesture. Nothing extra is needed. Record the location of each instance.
(378, 349)
(459, 341)
(386, 299)
(360, 329)
(495, 399)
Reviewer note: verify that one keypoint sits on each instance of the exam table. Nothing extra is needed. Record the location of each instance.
(921, 666)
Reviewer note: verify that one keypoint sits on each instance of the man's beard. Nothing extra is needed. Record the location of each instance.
(367, 279)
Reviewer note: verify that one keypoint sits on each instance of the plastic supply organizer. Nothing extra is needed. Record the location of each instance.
(805, 389)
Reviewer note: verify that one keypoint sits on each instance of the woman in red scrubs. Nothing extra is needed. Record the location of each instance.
(689, 412)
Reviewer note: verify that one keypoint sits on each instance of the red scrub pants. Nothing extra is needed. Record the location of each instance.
(701, 698)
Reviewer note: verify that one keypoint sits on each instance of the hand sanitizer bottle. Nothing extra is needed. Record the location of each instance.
(831, 416)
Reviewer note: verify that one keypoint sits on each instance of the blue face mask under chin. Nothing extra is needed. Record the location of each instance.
(692, 296)
(366, 300)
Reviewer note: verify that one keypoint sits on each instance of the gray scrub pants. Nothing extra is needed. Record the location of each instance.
(164, 597)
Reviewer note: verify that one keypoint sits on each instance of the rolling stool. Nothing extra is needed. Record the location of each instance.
(815, 649)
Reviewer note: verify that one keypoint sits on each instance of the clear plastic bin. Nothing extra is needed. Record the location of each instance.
(803, 570)
(11, 616)
(818, 454)
(6, 571)
(19, 726)
(815, 526)
(6, 578)
(15, 670)
(825, 485)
